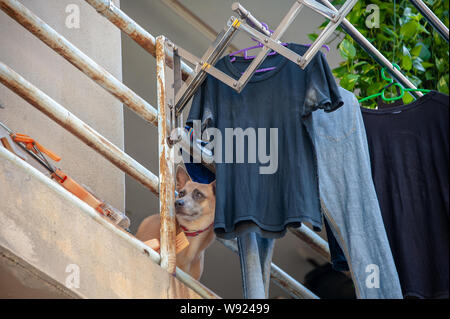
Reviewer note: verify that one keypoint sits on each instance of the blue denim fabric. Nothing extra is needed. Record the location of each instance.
(338, 261)
(255, 255)
(348, 198)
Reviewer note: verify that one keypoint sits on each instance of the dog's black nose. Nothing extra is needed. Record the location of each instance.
(179, 203)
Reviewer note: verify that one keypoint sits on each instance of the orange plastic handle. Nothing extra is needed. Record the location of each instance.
(181, 242)
(79, 191)
(30, 142)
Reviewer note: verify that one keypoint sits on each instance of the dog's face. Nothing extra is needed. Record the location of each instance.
(195, 203)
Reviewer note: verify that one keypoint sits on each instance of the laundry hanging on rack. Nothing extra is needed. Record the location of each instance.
(273, 102)
(409, 151)
(349, 202)
(259, 196)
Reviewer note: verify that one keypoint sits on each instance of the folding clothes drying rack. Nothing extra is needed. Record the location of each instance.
(173, 96)
(258, 31)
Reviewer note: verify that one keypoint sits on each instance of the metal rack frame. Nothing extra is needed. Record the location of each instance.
(437, 24)
(271, 41)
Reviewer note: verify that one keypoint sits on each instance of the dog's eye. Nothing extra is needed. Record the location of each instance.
(181, 194)
(198, 195)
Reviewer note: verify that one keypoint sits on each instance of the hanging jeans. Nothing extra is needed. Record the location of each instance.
(255, 255)
(348, 199)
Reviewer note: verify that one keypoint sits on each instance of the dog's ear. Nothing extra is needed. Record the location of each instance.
(182, 177)
(213, 185)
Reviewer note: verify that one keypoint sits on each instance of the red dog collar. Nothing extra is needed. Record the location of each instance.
(194, 233)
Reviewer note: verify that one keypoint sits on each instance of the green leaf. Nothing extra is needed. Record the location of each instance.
(313, 36)
(323, 25)
(416, 17)
(417, 64)
(409, 28)
(416, 50)
(407, 98)
(442, 85)
(368, 67)
(429, 75)
(365, 81)
(347, 49)
(383, 38)
(427, 65)
(406, 63)
(340, 71)
(440, 64)
(374, 88)
(422, 29)
(389, 31)
(354, 66)
(406, 59)
(425, 53)
(348, 81)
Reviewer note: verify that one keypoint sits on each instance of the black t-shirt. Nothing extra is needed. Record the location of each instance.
(409, 152)
(277, 100)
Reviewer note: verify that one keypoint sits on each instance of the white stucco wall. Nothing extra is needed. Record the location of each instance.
(47, 70)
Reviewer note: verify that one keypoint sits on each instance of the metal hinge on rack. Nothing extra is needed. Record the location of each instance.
(181, 93)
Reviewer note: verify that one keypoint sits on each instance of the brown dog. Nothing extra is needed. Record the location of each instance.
(194, 210)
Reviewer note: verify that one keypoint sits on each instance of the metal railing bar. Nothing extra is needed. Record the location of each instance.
(280, 277)
(121, 20)
(77, 127)
(289, 284)
(316, 242)
(166, 155)
(72, 54)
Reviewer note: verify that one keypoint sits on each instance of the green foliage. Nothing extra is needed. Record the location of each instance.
(409, 40)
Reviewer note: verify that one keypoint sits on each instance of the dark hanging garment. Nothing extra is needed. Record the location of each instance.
(409, 153)
(281, 192)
